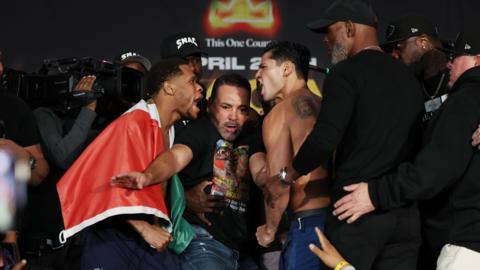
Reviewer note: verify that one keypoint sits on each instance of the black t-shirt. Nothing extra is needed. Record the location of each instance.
(226, 164)
(17, 122)
(371, 114)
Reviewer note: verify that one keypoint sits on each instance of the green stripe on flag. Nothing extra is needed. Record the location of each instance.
(182, 230)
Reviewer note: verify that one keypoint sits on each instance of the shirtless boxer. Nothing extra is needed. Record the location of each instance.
(283, 74)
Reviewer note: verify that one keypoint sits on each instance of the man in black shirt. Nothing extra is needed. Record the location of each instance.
(444, 173)
(371, 104)
(216, 148)
(414, 40)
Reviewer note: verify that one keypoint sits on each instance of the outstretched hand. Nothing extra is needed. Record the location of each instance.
(327, 252)
(132, 180)
(355, 204)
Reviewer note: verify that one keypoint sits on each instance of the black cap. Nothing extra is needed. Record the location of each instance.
(412, 25)
(180, 45)
(467, 43)
(129, 57)
(357, 11)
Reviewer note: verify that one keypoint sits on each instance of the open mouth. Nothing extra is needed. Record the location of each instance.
(260, 87)
(197, 100)
(231, 128)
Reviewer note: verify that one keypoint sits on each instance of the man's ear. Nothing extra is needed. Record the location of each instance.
(423, 42)
(168, 88)
(288, 68)
(350, 29)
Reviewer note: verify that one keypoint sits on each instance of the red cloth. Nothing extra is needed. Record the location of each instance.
(130, 143)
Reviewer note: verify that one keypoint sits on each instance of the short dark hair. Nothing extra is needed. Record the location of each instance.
(233, 79)
(161, 72)
(297, 53)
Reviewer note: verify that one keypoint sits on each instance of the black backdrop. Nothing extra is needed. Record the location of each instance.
(35, 30)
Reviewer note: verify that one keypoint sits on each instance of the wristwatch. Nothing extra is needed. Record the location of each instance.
(32, 162)
(282, 177)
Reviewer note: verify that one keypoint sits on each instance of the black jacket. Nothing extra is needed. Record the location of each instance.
(446, 172)
(371, 104)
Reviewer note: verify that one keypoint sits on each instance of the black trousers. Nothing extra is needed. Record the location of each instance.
(380, 240)
(41, 256)
(112, 246)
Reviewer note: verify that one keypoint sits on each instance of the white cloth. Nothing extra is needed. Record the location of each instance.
(454, 257)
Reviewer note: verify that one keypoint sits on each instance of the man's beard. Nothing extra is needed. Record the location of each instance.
(429, 64)
(339, 52)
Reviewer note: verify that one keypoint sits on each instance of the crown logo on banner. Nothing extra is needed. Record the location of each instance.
(252, 16)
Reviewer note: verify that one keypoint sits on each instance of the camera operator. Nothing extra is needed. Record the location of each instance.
(110, 107)
(64, 135)
(135, 61)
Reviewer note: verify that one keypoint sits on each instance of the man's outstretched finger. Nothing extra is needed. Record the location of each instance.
(343, 208)
(126, 183)
(120, 180)
(320, 253)
(348, 213)
(350, 187)
(354, 217)
(345, 199)
(322, 239)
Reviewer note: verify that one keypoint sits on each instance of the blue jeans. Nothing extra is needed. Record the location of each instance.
(295, 254)
(204, 252)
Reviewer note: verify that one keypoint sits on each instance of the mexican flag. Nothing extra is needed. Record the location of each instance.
(130, 143)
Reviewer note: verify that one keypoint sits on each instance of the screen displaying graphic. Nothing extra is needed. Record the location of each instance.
(258, 17)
